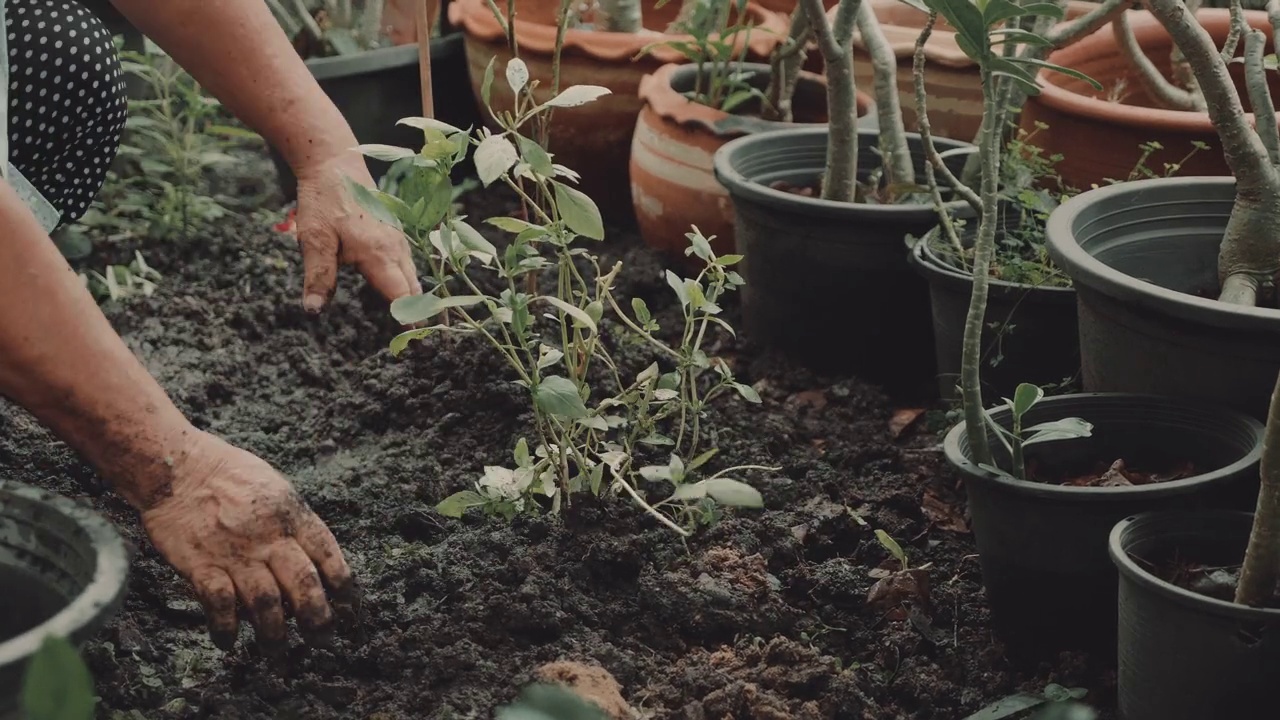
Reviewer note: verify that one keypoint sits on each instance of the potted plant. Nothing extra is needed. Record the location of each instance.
(1100, 133)
(64, 570)
(1047, 479)
(605, 46)
(349, 49)
(692, 109)
(822, 216)
(1148, 260)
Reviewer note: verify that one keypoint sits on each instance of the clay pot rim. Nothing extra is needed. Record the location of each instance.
(475, 18)
(658, 95)
(1054, 95)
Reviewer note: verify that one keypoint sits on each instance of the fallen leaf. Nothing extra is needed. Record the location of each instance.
(902, 419)
(813, 399)
(906, 586)
(945, 514)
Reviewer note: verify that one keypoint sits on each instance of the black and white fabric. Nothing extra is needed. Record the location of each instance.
(67, 101)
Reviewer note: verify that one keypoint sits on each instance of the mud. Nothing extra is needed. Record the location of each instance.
(763, 616)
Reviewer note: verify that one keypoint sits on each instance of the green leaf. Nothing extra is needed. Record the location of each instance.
(57, 685)
(641, 310)
(433, 188)
(1007, 707)
(517, 74)
(579, 212)
(577, 95)
(595, 423)
(458, 503)
(417, 308)
(1019, 37)
(699, 245)
(521, 453)
(424, 124)
(1064, 429)
(558, 396)
(1058, 69)
(512, 225)
(747, 392)
(388, 153)
(581, 318)
(971, 28)
(494, 156)
(1025, 397)
(400, 342)
(733, 493)
(537, 158)
(892, 546)
(371, 200)
(486, 85)
(677, 284)
(550, 702)
(727, 260)
(472, 240)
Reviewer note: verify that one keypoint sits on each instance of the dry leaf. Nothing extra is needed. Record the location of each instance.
(907, 586)
(943, 513)
(902, 419)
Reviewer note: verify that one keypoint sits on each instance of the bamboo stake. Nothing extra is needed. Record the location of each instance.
(424, 56)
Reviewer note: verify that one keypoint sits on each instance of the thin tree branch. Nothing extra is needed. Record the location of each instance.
(1161, 90)
(893, 143)
(1262, 559)
(1103, 13)
(936, 163)
(1238, 27)
(1264, 110)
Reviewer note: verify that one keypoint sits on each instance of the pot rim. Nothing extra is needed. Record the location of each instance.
(1102, 42)
(971, 472)
(476, 20)
(658, 95)
(378, 59)
(742, 187)
(1132, 571)
(104, 591)
(1086, 270)
(934, 269)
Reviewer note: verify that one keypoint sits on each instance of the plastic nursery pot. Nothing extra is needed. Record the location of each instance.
(828, 282)
(1099, 138)
(1182, 655)
(63, 571)
(593, 140)
(673, 184)
(1030, 330)
(1043, 547)
(1143, 260)
(377, 88)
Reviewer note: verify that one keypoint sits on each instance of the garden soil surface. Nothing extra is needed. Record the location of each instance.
(763, 616)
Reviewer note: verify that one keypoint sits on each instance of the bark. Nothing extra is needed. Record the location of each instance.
(1160, 89)
(1262, 558)
(893, 140)
(836, 45)
(936, 166)
(785, 65)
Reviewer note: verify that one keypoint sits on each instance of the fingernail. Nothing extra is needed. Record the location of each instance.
(313, 304)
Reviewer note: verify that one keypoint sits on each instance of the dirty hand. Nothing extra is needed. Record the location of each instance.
(235, 527)
(333, 228)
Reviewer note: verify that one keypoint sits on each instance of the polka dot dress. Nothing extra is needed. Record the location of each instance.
(67, 102)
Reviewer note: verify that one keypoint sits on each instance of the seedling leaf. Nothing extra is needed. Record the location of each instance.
(558, 396)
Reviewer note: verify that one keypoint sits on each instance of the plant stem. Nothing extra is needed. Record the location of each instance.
(893, 142)
(785, 65)
(1264, 110)
(1160, 89)
(936, 163)
(984, 248)
(1262, 558)
(836, 45)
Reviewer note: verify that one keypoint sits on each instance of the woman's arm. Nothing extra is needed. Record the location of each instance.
(223, 518)
(236, 49)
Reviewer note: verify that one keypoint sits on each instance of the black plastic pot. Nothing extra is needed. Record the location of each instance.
(1030, 330)
(1043, 548)
(1139, 253)
(377, 88)
(63, 571)
(1185, 656)
(828, 283)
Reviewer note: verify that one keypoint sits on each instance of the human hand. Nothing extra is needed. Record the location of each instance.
(333, 229)
(235, 528)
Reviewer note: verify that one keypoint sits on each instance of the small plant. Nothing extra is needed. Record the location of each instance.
(710, 30)
(121, 282)
(57, 684)
(322, 28)
(546, 701)
(172, 139)
(594, 425)
(1018, 437)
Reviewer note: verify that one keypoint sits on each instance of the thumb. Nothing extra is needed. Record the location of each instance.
(320, 267)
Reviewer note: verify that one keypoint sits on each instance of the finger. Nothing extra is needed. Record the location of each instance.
(319, 544)
(410, 270)
(320, 267)
(259, 592)
(297, 576)
(218, 596)
(386, 274)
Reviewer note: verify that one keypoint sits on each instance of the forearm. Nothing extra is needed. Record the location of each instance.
(237, 51)
(61, 360)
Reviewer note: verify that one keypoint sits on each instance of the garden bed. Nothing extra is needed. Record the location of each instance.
(763, 616)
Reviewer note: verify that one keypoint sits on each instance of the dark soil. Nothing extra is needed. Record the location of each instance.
(1107, 473)
(765, 615)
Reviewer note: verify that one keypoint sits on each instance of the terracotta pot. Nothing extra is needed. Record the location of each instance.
(595, 139)
(400, 19)
(1100, 139)
(786, 7)
(951, 79)
(673, 184)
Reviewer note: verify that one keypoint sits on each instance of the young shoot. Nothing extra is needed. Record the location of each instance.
(596, 427)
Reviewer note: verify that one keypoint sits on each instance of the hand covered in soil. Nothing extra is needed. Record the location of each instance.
(333, 228)
(236, 528)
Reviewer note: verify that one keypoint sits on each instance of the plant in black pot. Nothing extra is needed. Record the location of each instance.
(1047, 479)
(349, 48)
(822, 214)
(1175, 277)
(1184, 570)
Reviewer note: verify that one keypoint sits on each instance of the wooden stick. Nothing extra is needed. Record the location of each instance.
(424, 56)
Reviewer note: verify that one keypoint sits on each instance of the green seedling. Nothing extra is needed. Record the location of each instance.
(1017, 438)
